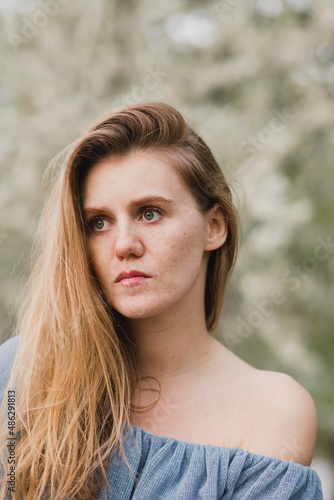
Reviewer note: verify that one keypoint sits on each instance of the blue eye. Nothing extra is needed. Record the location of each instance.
(98, 224)
(149, 215)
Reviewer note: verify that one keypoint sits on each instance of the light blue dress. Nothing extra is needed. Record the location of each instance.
(170, 469)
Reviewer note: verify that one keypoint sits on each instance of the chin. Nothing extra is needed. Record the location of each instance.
(137, 314)
(139, 310)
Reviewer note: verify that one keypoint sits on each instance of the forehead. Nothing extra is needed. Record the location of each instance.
(144, 173)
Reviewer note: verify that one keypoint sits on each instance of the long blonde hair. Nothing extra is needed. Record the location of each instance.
(76, 368)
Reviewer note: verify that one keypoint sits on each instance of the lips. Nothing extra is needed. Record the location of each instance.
(130, 274)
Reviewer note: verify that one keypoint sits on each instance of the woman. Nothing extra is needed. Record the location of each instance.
(120, 389)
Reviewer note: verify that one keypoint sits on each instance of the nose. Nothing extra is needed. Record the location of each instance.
(128, 242)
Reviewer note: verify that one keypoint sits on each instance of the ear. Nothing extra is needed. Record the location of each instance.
(217, 228)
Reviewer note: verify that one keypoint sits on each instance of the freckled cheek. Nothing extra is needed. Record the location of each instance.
(180, 252)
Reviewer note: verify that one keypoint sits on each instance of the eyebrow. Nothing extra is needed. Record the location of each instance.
(147, 200)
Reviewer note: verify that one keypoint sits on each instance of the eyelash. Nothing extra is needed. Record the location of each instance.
(100, 217)
(152, 209)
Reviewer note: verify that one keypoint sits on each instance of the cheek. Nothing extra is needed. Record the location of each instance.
(181, 252)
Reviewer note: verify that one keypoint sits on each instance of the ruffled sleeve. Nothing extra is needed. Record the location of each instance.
(166, 468)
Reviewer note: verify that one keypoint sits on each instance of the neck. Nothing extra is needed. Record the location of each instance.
(172, 348)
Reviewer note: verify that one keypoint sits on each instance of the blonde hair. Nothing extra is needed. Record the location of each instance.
(76, 367)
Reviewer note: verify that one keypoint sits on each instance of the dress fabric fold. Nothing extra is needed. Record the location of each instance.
(165, 468)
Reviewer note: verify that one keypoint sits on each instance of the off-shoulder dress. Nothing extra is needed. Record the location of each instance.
(170, 469)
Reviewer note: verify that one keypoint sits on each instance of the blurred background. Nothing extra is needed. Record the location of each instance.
(256, 80)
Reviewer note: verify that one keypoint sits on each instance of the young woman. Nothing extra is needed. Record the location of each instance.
(113, 384)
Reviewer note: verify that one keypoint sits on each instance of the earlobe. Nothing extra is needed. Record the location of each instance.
(217, 228)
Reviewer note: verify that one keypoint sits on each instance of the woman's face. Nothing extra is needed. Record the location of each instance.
(144, 220)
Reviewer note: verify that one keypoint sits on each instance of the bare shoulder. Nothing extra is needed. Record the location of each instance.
(264, 412)
(285, 416)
